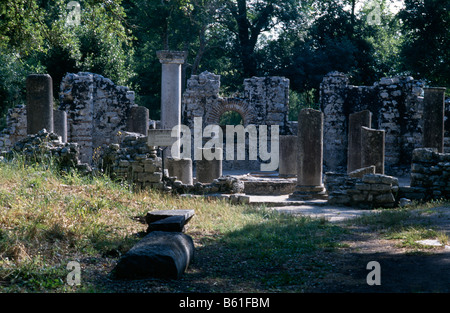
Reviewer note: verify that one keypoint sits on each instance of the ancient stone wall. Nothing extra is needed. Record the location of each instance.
(97, 110)
(264, 101)
(397, 107)
(370, 191)
(16, 127)
(430, 175)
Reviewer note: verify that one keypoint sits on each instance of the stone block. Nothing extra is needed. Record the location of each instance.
(356, 121)
(39, 103)
(171, 224)
(153, 216)
(164, 255)
(359, 173)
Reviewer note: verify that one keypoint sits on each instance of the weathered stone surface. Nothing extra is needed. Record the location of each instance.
(43, 146)
(434, 115)
(60, 124)
(310, 148)
(180, 168)
(359, 173)
(372, 148)
(154, 216)
(171, 87)
(288, 156)
(264, 101)
(397, 108)
(355, 122)
(171, 224)
(309, 155)
(430, 177)
(97, 111)
(138, 120)
(158, 255)
(39, 103)
(208, 170)
(370, 191)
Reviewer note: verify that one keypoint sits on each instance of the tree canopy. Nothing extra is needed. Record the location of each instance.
(237, 39)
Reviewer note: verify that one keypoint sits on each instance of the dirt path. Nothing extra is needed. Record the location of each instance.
(402, 270)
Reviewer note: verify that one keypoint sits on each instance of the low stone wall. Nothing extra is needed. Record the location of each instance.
(16, 127)
(430, 175)
(369, 192)
(45, 147)
(132, 160)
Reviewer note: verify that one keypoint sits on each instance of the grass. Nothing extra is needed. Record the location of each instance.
(408, 225)
(49, 218)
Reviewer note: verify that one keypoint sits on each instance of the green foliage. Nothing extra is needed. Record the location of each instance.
(236, 39)
(426, 49)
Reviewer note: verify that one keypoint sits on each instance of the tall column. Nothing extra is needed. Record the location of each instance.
(171, 87)
(39, 103)
(433, 117)
(372, 148)
(355, 122)
(310, 156)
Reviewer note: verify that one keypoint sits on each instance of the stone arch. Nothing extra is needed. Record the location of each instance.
(223, 105)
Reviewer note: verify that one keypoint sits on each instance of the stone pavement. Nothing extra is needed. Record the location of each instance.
(312, 208)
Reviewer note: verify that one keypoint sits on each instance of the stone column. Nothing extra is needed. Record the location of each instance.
(39, 103)
(310, 156)
(171, 87)
(60, 124)
(372, 148)
(138, 120)
(181, 168)
(433, 117)
(288, 156)
(208, 170)
(355, 122)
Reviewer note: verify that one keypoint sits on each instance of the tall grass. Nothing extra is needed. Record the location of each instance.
(49, 217)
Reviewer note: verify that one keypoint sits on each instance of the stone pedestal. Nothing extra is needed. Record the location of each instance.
(372, 148)
(138, 120)
(433, 117)
(208, 170)
(355, 122)
(39, 103)
(310, 156)
(60, 124)
(181, 168)
(288, 156)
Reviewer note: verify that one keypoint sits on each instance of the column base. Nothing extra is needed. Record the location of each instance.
(309, 193)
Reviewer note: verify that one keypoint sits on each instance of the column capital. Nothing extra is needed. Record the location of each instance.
(173, 57)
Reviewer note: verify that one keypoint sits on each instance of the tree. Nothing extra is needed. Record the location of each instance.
(250, 19)
(426, 49)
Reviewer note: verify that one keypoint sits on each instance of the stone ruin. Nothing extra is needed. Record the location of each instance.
(340, 154)
(264, 101)
(374, 130)
(397, 108)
